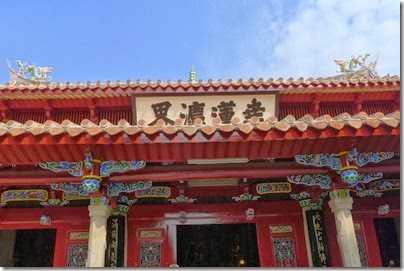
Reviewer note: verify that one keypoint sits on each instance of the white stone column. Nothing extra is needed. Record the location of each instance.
(348, 247)
(97, 242)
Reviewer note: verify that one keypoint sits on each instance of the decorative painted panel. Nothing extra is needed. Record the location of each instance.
(284, 252)
(68, 196)
(150, 233)
(362, 250)
(281, 228)
(23, 195)
(154, 192)
(150, 254)
(272, 188)
(77, 255)
(169, 109)
(78, 235)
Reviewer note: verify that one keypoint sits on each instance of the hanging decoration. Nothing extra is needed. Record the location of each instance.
(249, 214)
(383, 209)
(182, 217)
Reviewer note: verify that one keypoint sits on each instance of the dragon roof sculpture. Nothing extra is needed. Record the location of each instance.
(29, 74)
(348, 68)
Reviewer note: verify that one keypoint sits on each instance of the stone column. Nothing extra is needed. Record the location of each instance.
(97, 242)
(341, 205)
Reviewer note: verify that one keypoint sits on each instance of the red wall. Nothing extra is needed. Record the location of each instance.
(266, 214)
(66, 219)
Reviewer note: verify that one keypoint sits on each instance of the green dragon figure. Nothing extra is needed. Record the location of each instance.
(38, 75)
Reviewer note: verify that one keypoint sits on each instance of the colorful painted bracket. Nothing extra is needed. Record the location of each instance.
(319, 160)
(324, 181)
(74, 168)
(113, 189)
(70, 188)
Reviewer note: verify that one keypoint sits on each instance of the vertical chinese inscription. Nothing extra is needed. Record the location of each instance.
(115, 241)
(318, 238)
(150, 254)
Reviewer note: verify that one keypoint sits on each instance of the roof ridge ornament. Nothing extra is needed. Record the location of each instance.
(29, 74)
(193, 76)
(348, 68)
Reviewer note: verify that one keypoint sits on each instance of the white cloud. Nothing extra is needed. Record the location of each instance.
(306, 44)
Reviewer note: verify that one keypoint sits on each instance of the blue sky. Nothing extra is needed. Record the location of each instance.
(91, 40)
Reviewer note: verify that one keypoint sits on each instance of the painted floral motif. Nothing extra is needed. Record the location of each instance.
(77, 255)
(150, 254)
(246, 197)
(324, 181)
(113, 189)
(320, 160)
(271, 188)
(154, 192)
(284, 252)
(306, 200)
(74, 168)
(125, 200)
(182, 199)
(108, 167)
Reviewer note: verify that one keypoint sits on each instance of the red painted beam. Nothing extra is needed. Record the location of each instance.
(209, 174)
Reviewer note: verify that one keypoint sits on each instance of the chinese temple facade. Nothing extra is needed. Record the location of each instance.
(269, 173)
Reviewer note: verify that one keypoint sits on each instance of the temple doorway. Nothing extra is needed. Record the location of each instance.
(388, 236)
(27, 248)
(218, 245)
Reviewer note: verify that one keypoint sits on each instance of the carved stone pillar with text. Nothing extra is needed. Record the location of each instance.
(315, 233)
(99, 212)
(341, 205)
